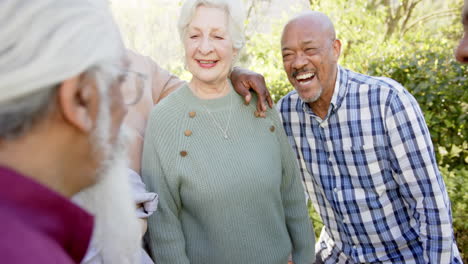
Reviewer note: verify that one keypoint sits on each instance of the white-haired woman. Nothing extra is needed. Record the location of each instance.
(228, 182)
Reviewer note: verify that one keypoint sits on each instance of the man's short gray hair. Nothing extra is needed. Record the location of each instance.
(19, 115)
(234, 10)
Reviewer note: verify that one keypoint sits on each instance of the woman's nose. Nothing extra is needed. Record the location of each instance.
(206, 46)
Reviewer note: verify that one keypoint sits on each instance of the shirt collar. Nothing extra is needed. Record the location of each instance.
(66, 223)
(341, 88)
(336, 90)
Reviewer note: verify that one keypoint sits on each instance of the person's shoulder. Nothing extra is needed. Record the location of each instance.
(288, 102)
(142, 63)
(172, 102)
(20, 243)
(169, 109)
(385, 84)
(136, 59)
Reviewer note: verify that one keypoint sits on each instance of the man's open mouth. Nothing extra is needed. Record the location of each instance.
(305, 77)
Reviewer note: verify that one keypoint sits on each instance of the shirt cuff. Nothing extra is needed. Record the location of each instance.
(149, 200)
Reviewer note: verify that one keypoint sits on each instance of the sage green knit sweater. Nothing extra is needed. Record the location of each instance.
(236, 200)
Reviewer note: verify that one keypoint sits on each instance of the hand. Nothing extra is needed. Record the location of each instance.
(243, 80)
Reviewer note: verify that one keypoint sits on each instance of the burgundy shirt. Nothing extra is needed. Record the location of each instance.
(38, 225)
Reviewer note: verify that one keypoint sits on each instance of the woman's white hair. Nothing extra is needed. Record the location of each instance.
(234, 10)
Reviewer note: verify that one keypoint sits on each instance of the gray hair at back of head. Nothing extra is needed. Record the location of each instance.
(234, 10)
(43, 43)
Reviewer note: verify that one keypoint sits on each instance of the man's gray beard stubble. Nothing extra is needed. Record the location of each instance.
(312, 99)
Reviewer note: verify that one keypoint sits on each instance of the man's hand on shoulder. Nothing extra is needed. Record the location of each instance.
(243, 80)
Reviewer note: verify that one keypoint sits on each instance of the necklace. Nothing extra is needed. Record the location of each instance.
(225, 130)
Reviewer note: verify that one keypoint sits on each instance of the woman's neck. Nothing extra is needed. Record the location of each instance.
(209, 90)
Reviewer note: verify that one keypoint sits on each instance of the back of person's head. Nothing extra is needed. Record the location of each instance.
(43, 43)
(234, 10)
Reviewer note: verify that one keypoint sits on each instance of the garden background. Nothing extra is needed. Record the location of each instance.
(411, 41)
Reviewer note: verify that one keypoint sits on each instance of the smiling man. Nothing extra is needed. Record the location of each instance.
(365, 154)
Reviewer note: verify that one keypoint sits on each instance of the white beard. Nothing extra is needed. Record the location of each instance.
(117, 231)
(313, 98)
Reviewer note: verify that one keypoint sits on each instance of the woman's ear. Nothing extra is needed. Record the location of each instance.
(235, 53)
(78, 101)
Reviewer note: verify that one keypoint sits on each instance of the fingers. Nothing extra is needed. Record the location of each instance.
(260, 114)
(244, 80)
(246, 93)
(264, 100)
(269, 100)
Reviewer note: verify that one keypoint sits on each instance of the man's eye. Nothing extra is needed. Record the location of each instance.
(194, 36)
(287, 56)
(219, 37)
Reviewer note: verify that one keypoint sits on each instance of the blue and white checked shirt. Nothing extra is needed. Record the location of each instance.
(370, 171)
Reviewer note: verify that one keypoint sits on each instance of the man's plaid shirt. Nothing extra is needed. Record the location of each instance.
(370, 170)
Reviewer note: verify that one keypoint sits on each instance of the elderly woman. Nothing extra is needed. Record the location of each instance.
(228, 183)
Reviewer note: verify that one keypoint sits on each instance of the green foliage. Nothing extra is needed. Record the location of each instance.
(264, 55)
(456, 181)
(315, 218)
(440, 84)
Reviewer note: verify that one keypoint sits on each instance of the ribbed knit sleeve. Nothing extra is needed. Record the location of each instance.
(295, 207)
(165, 238)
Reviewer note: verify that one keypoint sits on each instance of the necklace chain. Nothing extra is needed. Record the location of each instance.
(224, 131)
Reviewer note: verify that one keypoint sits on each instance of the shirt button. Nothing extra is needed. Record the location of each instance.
(354, 246)
(192, 114)
(272, 128)
(183, 153)
(188, 133)
(335, 189)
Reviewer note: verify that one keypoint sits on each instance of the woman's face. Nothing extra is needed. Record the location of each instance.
(208, 46)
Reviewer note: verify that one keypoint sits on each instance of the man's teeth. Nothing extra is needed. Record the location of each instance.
(305, 76)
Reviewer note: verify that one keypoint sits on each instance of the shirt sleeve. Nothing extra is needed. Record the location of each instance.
(297, 219)
(165, 238)
(149, 200)
(306, 177)
(420, 181)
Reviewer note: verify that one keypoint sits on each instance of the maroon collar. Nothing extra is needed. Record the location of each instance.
(48, 212)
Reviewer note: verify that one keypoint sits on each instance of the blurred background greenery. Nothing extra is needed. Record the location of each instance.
(411, 41)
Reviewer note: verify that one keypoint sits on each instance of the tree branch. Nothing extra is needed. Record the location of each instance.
(443, 13)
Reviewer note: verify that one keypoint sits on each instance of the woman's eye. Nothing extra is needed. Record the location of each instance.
(219, 37)
(194, 36)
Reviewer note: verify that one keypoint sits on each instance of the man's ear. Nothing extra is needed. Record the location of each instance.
(78, 101)
(337, 48)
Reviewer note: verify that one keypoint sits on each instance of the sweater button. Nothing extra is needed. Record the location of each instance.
(183, 153)
(188, 133)
(272, 128)
(192, 114)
